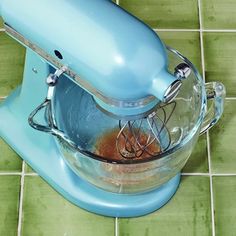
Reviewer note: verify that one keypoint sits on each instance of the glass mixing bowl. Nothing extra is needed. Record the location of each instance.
(79, 126)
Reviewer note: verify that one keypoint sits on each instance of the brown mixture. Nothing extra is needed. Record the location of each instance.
(106, 145)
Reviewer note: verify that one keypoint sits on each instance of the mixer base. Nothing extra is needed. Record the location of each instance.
(39, 150)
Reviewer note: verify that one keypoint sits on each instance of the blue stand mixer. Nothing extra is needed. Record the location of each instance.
(119, 112)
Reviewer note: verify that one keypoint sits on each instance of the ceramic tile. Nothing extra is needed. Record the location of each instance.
(222, 141)
(28, 169)
(11, 64)
(1, 22)
(47, 213)
(218, 14)
(187, 43)
(9, 160)
(225, 205)
(220, 59)
(188, 213)
(198, 162)
(164, 14)
(9, 188)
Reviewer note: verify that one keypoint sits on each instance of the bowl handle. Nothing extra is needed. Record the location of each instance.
(215, 92)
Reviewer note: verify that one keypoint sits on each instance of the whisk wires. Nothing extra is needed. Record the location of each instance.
(146, 137)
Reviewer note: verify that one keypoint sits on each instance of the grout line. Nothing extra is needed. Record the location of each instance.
(201, 41)
(10, 173)
(197, 30)
(219, 30)
(177, 30)
(230, 98)
(207, 174)
(31, 174)
(116, 227)
(195, 174)
(224, 175)
(211, 184)
(208, 140)
(18, 173)
(21, 200)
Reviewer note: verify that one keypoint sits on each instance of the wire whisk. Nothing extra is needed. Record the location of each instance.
(146, 137)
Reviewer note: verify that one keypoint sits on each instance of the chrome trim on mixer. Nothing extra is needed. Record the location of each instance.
(182, 71)
(74, 76)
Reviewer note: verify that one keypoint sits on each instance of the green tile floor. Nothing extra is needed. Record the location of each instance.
(205, 203)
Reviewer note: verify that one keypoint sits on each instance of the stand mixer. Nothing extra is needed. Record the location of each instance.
(119, 112)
